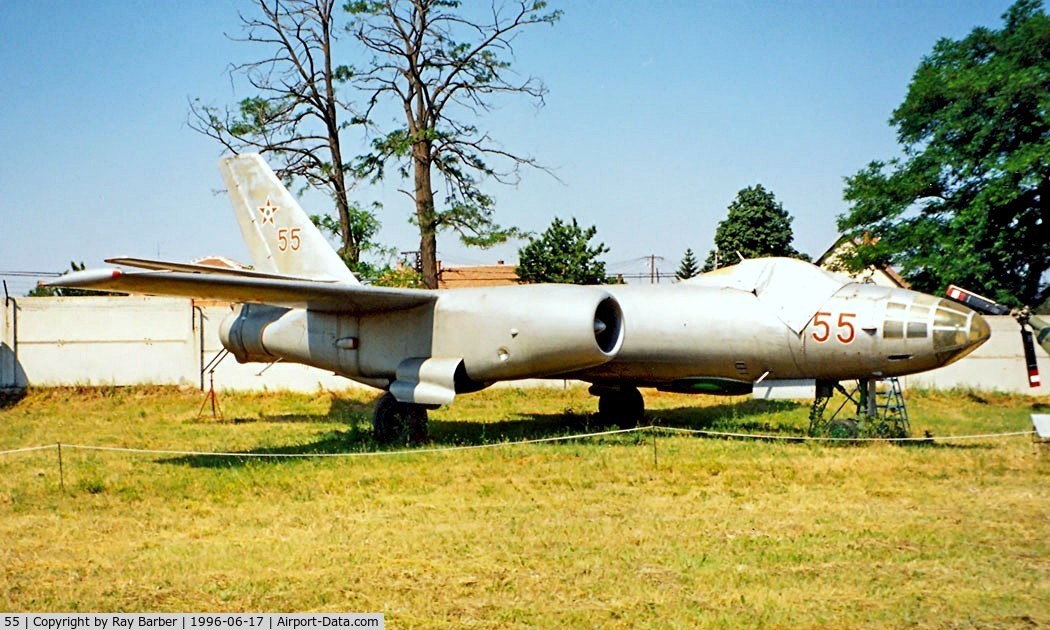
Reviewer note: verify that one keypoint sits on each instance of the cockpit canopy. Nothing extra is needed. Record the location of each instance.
(793, 289)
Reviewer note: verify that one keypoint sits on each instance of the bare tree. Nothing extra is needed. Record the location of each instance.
(442, 68)
(297, 115)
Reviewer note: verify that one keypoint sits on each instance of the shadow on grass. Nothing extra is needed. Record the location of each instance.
(943, 445)
(743, 416)
(354, 440)
(11, 397)
(770, 417)
(762, 417)
(341, 411)
(357, 438)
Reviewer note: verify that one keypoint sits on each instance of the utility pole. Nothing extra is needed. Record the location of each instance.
(654, 275)
(416, 257)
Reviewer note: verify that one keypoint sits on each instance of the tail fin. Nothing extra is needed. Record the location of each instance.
(280, 236)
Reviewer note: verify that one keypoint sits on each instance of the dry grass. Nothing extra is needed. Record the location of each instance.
(717, 533)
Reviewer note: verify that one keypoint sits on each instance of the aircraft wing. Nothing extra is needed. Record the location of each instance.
(331, 296)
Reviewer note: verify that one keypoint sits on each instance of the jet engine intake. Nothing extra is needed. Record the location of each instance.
(608, 326)
(531, 331)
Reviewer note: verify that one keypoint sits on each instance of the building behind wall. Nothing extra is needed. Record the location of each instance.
(881, 275)
(499, 274)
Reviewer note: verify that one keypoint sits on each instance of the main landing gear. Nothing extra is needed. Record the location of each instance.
(621, 405)
(399, 423)
(405, 423)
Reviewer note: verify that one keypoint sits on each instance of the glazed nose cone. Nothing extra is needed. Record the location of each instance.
(957, 331)
(979, 331)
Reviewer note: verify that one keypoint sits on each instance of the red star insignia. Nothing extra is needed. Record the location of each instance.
(267, 211)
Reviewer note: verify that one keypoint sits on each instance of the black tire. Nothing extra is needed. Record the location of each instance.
(399, 423)
(623, 407)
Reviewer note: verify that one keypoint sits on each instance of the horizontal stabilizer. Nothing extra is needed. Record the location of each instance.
(164, 265)
(337, 297)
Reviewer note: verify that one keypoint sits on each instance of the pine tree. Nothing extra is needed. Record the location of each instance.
(689, 267)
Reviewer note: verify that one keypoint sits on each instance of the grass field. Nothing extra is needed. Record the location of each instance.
(714, 532)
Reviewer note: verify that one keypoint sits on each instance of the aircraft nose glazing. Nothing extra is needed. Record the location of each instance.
(979, 330)
(957, 330)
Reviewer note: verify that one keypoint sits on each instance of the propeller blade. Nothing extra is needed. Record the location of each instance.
(1029, 358)
(976, 302)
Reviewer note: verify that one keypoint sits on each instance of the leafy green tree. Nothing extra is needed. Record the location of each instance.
(563, 254)
(689, 267)
(440, 67)
(298, 115)
(968, 201)
(398, 276)
(757, 225)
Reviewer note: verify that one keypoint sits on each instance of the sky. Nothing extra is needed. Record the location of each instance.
(657, 114)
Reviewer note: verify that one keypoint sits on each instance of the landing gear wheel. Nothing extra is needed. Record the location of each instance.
(399, 423)
(623, 407)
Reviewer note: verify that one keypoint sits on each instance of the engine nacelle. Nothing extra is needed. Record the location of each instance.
(241, 331)
(505, 333)
(262, 333)
(478, 336)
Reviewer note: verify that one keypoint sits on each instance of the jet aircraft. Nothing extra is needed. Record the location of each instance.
(772, 321)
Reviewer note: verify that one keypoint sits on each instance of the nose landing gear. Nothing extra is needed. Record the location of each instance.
(881, 411)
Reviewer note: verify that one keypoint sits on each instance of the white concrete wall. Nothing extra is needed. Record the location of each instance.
(10, 376)
(138, 340)
(104, 341)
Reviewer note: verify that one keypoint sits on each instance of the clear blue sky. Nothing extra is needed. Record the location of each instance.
(658, 113)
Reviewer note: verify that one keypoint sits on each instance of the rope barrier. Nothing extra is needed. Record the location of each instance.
(411, 451)
(807, 438)
(563, 438)
(28, 449)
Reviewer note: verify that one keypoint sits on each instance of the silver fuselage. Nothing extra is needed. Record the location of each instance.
(682, 331)
(676, 337)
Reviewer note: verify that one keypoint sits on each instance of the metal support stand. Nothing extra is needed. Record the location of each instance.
(881, 411)
(818, 424)
(890, 417)
(216, 410)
